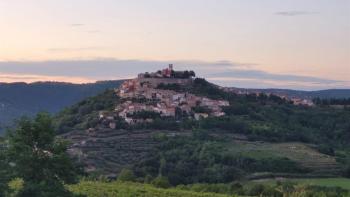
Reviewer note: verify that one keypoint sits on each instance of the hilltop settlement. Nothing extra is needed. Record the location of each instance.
(144, 99)
(152, 95)
(172, 122)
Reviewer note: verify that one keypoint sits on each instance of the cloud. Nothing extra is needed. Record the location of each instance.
(271, 83)
(261, 79)
(261, 75)
(92, 48)
(221, 72)
(294, 13)
(10, 78)
(93, 31)
(77, 24)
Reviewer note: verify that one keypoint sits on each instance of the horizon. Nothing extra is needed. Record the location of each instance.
(291, 45)
(101, 81)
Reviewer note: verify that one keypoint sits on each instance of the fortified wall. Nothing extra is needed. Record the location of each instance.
(154, 82)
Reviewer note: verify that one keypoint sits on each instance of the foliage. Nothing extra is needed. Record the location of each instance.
(126, 175)
(332, 101)
(5, 173)
(15, 187)
(202, 158)
(161, 182)
(183, 74)
(204, 88)
(40, 159)
(347, 172)
(144, 115)
(171, 86)
(201, 109)
(48, 96)
(128, 189)
(280, 189)
(84, 115)
(221, 188)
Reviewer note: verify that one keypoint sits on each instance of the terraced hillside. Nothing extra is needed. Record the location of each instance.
(108, 151)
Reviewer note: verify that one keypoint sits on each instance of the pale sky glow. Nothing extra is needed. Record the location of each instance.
(308, 38)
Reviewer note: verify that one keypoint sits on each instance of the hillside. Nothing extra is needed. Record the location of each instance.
(18, 99)
(54, 96)
(323, 94)
(253, 137)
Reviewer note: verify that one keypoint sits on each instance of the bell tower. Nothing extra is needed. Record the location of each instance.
(171, 67)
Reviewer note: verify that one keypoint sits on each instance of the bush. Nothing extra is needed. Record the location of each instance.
(346, 172)
(126, 175)
(161, 182)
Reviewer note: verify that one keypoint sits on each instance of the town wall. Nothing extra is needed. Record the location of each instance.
(156, 81)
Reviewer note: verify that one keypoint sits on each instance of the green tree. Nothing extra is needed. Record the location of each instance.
(4, 174)
(40, 159)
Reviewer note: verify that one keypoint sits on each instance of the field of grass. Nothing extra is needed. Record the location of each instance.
(128, 189)
(326, 182)
(298, 152)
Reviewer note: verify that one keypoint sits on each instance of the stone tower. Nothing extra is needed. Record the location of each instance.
(171, 67)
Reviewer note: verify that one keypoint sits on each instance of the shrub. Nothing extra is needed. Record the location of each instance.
(126, 175)
(161, 182)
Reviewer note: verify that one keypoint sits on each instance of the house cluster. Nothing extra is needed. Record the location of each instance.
(304, 102)
(141, 95)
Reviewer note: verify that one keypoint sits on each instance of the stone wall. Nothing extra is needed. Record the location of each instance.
(156, 81)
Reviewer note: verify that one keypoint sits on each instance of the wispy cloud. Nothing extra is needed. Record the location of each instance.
(294, 13)
(261, 75)
(91, 48)
(222, 72)
(93, 31)
(77, 24)
(10, 78)
(271, 83)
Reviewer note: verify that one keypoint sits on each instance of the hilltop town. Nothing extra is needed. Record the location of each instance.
(143, 100)
(167, 112)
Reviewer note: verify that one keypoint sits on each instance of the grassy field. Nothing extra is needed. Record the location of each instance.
(329, 182)
(326, 182)
(123, 189)
(298, 152)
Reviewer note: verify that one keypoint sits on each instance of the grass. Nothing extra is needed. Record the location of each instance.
(298, 152)
(129, 189)
(325, 182)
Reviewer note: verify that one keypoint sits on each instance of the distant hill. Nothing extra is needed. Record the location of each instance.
(18, 99)
(323, 94)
